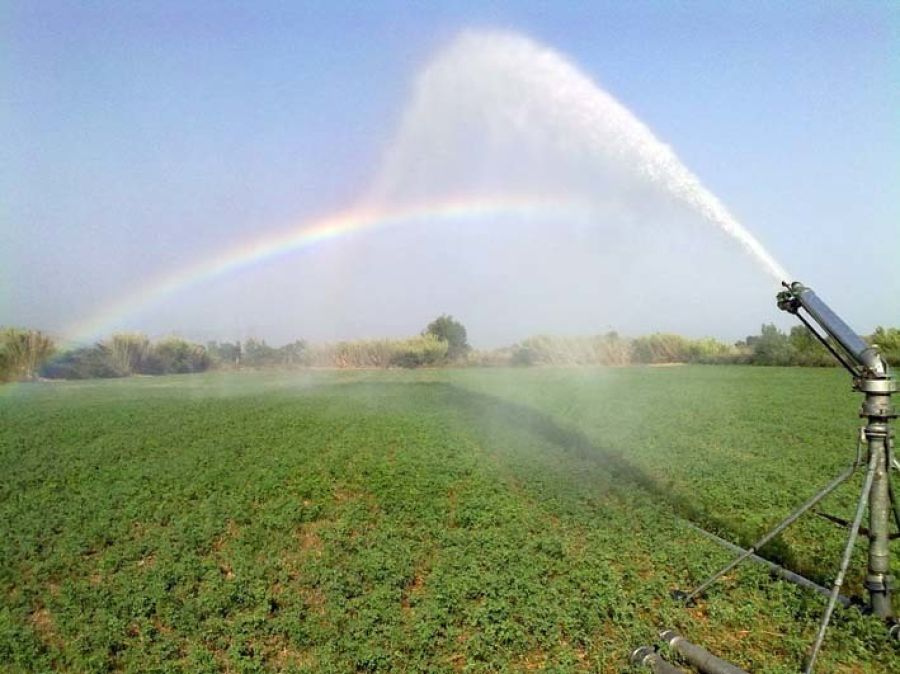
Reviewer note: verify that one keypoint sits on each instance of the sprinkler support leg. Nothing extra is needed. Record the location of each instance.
(774, 569)
(789, 520)
(845, 562)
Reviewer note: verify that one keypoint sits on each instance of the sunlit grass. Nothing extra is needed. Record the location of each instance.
(476, 520)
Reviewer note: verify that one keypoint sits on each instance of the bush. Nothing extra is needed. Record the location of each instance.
(771, 347)
(888, 340)
(175, 356)
(418, 351)
(91, 362)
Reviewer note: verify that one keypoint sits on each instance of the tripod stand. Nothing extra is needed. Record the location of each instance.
(872, 378)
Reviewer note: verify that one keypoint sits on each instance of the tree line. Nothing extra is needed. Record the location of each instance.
(30, 354)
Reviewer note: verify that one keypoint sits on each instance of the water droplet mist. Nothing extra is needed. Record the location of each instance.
(491, 90)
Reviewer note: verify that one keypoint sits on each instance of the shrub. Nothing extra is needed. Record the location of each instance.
(418, 351)
(89, 362)
(175, 356)
(888, 340)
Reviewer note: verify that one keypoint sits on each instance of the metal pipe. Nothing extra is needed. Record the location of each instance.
(779, 571)
(867, 357)
(790, 519)
(698, 656)
(645, 656)
(878, 578)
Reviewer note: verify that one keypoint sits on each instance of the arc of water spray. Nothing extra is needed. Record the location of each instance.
(518, 78)
(500, 79)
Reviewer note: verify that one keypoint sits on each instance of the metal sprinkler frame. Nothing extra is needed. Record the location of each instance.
(873, 378)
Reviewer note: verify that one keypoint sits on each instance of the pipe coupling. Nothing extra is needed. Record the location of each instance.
(879, 582)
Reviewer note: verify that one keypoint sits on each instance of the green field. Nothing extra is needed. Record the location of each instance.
(471, 520)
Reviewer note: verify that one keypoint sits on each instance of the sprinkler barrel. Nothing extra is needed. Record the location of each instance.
(865, 361)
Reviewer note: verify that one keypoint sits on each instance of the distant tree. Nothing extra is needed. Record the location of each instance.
(294, 353)
(256, 353)
(448, 329)
(224, 353)
(771, 347)
(807, 350)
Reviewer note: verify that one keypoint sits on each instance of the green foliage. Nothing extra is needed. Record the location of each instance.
(22, 352)
(125, 354)
(256, 353)
(447, 329)
(224, 354)
(432, 520)
(807, 350)
(427, 349)
(771, 347)
(25, 353)
(175, 356)
(91, 362)
(888, 340)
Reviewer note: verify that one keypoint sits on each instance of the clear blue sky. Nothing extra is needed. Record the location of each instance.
(138, 137)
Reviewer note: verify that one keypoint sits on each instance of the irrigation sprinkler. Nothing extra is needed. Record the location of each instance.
(873, 378)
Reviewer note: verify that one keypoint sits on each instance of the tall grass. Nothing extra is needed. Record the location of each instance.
(22, 352)
(608, 349)
(422, 350)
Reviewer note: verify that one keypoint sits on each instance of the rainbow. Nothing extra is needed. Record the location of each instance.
(305, 236)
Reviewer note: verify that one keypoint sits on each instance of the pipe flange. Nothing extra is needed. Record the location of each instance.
(870, 409)
(882, 386)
